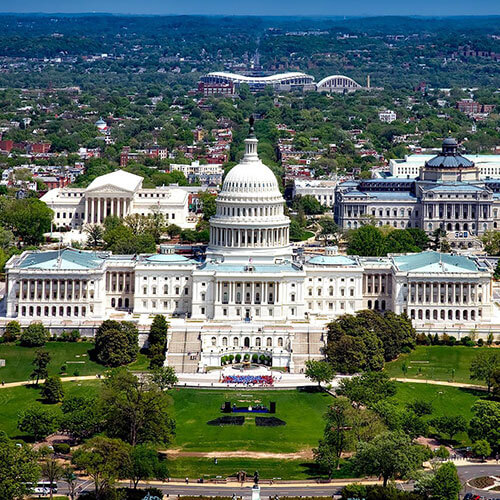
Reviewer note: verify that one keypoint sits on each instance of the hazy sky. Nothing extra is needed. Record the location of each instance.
(260, 7)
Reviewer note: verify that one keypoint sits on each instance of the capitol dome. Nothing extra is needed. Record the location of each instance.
(249, 222)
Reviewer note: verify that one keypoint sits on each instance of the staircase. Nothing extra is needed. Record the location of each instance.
(184, 349)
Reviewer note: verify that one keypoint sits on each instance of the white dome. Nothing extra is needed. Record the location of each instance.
(249, 218)
(250, 178)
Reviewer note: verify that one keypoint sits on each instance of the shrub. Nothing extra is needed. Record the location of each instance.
(452, 340)
(223, 360)
(12, 331)
(231, 358)
(246, 357)
(480, 342)
(422, 339)
(63, 448)
(269, 360)
(36, 335)
(63, 368)
(238, 358)
(255, 358)
(262, 358)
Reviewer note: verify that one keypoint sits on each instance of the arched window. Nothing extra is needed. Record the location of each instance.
(258, 342)
(269, 342)
(113, 302)
(236, 342)
(247, 342)
(224, 341)
(214, 341)
(280, 341)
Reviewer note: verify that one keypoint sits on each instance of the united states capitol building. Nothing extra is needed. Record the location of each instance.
(251, 293)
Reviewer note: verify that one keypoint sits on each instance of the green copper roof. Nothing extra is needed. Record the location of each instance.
(161, 258)
(435, 262)
(68, 258)
(331, 260)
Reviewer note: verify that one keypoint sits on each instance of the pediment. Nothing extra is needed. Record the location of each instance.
(109, 189)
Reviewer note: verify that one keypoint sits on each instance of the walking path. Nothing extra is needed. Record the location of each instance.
(443, 382)
(282, 381)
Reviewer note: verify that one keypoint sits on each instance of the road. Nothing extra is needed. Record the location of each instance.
(466, 472)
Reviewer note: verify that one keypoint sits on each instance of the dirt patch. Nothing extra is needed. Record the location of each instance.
(303, 454)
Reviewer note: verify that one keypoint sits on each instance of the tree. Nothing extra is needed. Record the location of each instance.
(327, 454)
(40, 363)
(390, 455)
(12, 331)
(445, 485)
(18, 469)
(36, 335)
(329, 230)
(52, 470)
(164, 377)
(135, 410)
(496, 273)
(485, 424)
(483, 365)
(208, 206)
(481, 448)
(495, 379)
(28, 219)
(38, 422)
(52, 389)
(449, 424)
(71, 479)
(95, 235)
(105, 460)
(420, 407)
(368, 240)
(367, 388)
(116, 343)
(309, 204)
(319, 371)
(157, 340)
(82, 417)
(145, 464)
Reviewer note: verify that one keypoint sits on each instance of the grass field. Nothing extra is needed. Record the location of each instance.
(445, 401)
(74, 355)
(437, 363)
(269, 469)
(302, 411)
(15, 399)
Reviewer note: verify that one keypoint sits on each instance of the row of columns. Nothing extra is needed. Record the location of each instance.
(244, 238)
(48, 289)
(117, 281)
(227, 292)
(431, 293)
(97, 208)
(377, 284)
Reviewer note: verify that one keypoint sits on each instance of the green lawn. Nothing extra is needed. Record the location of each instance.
(268, 469)
(74, 355)
(445, 400)
(15, 399)
(302, 411)
(436, 363)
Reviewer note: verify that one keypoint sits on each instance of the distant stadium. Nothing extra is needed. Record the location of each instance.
(283, 81)
(280, 81)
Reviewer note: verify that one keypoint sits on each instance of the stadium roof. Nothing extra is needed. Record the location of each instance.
(258, 79)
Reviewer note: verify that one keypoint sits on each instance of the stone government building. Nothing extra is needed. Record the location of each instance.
(449, 193)
(119, 193)
(251, 293)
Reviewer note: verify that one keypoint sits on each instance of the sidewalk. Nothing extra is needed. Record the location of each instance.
(442, 382)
